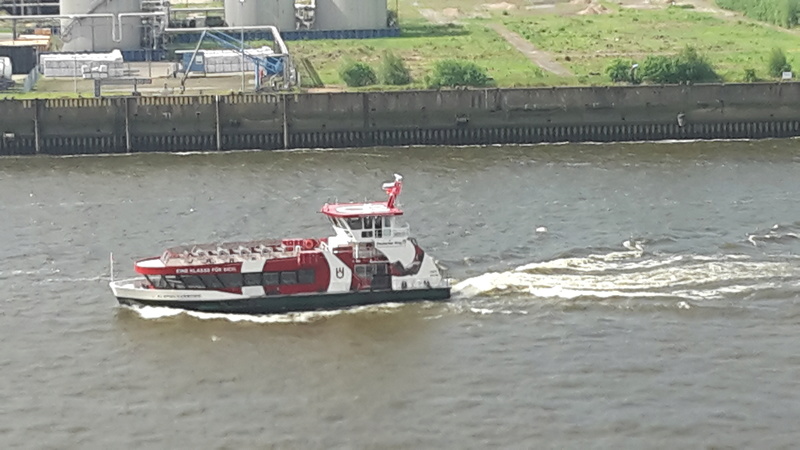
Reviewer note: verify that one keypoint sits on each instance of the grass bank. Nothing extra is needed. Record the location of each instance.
(421, 45)
(587, 44)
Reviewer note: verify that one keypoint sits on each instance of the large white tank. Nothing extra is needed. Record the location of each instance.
(5, 67)
(95, 34)
(350, 14)
(277, 13)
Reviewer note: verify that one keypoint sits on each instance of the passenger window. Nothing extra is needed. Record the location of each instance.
(174, 282)
(305, 276)
(231, 280)
(288, 277)
(156, 281)
(212, 281)
(252, 279)
(193, 282)
(271, 279)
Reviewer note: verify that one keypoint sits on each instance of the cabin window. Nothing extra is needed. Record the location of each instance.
(174, 282)
(367, 271)
(193, 282)
(212, 281)
(354, 223)
(368, 222)
(305, 276)
(271, 278)
(363, 271)
(252, 279)
(231, 280)
(157, 281)
(387, 221)
(288, 277)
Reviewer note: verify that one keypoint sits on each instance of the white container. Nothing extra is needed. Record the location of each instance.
(5, 67)
(70, 64)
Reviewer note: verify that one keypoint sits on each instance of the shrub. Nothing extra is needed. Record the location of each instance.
(355, 74)
(454, 73)
(658, 69)
(777, 63)
(688, 66)
(750, 75)
(394, 71)
(620, 70)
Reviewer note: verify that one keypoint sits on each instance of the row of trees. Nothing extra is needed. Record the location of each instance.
(686, 67)
(779, 12)
(393, 71)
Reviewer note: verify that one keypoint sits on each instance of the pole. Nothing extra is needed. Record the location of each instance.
(241, 22)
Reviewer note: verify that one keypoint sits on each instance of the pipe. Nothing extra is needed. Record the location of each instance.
(116, 19)
(140, 15)
(175, 11)
(275, 33)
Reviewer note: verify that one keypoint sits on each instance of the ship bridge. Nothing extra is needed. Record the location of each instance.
(367, 222)
(364, 222)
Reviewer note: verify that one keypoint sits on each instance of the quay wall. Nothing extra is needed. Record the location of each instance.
(451, 117)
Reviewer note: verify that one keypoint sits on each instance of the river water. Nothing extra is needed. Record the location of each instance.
(606, 296)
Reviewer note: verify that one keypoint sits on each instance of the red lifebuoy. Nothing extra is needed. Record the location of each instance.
(309, 244)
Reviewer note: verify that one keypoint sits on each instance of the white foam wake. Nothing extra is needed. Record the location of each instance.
(632, 275)
(155, 312)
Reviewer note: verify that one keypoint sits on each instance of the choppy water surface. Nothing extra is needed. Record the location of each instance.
(636, 295)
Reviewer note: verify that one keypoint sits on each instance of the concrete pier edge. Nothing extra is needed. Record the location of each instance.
(398, 118)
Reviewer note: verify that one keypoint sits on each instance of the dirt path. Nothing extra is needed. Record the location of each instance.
(538, 57)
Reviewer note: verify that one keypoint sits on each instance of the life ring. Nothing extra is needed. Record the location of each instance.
(309, 244)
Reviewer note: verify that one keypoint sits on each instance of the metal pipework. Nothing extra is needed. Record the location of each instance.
(274, 30)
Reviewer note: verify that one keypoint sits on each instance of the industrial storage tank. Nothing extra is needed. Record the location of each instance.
(350, 14)
(277, 13)
(95, 34)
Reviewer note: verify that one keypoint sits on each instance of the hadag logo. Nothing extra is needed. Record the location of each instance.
(339, 272)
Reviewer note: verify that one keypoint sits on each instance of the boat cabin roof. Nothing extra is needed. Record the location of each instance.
(347, 210)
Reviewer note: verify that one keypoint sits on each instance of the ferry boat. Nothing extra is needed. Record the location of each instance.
(370, 259)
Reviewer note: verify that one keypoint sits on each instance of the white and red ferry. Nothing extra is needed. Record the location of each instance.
(370, 259)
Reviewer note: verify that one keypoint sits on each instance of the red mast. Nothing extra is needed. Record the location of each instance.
(393, 189)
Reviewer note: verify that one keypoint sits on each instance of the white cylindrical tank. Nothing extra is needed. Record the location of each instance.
(95, 34)
(350, 14)
(277, 13)
(5, 67)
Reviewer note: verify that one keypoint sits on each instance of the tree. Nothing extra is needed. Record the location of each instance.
(452, 73)
(356, 74)
(777, 63)
(621, 70)
(394, 71)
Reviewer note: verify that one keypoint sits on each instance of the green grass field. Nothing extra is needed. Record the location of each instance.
(421, 45)
(587, 44)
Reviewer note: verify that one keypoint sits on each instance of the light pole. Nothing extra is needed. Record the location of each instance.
(241, 22)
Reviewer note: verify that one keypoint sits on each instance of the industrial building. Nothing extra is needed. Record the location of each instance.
(130, 25)
(144, 30)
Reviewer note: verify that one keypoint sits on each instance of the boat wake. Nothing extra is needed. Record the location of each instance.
(633, 273)
(154, 313)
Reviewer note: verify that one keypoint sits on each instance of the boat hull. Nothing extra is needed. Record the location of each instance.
(295, 303)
